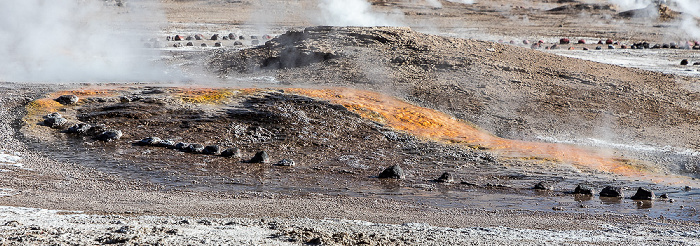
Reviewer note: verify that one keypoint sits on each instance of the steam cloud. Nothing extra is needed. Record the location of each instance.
(73, 41)
(690, 8)
(353, 13)
(625, 5)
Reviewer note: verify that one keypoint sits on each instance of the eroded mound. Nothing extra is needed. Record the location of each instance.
(513, 92)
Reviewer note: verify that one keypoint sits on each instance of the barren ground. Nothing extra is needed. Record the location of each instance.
(320, 97)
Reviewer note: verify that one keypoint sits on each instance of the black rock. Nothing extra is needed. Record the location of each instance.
(687, 188)
(260, 157)
(149, 141)
(211, 150)
(55, 122)
(643, 194)
(286, 163)
(189, 44)
(237, 43)
(215, 37)
(194, 148)
(109, 135)
(217, 44)
(696, 63)
(611, 47)
(394, 172)
(189, 38)
(665, 46)
(166, 144)
(232, 36)
(446, 177)
(232, 152)
(583, 190)
(611, 191)
(67, 99)
(241, 37)
(253, 37)
(97, 129)
(598, 48)
(224, 38)
(79, 128)
(203, 45)
(544, 185)
(684, 62)
(181, 146)
(663, 196)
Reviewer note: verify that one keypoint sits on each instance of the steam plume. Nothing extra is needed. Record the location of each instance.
(73, 41)
(353, 13)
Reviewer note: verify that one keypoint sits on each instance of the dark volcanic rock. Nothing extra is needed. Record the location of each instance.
(166, 143)
(232, 152)
(214, 37)
(286, 163)
(611, 191)
(181, 146)
(67, 99)
(643, 194)
(149, 141)
(212, 150)
(583, 190)
(260, 157)
(394, 172)
(544, 185)
(446, 177)
(109, 135)
(54, 120)
(195, 148)
(684, 62)
(79, 128)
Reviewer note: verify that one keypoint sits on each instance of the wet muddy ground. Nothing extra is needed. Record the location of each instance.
(329, 160)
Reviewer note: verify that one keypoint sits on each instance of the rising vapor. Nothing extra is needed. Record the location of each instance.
(74, 41)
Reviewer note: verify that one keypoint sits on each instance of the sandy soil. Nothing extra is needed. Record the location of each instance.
(119, 193)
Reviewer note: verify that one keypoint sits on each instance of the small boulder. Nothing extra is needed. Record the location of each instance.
(286, 163)
(178, 38)
(663, 196)
(598, 48)
(198, 36)
(394, 172)
(544, 185)
(684, 62)
(79, 128)
(611, 47)
(446, 177)
(253, 37)
(55, 122)
(232, 152)
(583, 190)
(581, 41)
(67, 99)
(189, 38)
(217, 44)
(609, 41)
(195, 148)
(232, 36)
(181, 146)
(214, 37)
(109, 135)
(149, 141)
(564, 41)
(241, 37)
(170, 144)
(611, 191)
(189, 44)
(212, 150)
(260, 157)
(687, 188)
(203, 45)
(643, 194)
(237, 43)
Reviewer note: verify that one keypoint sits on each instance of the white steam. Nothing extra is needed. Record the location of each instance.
(74, 41)
(353, 13)
(691, 13)
(625, 5)
(462, 1)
